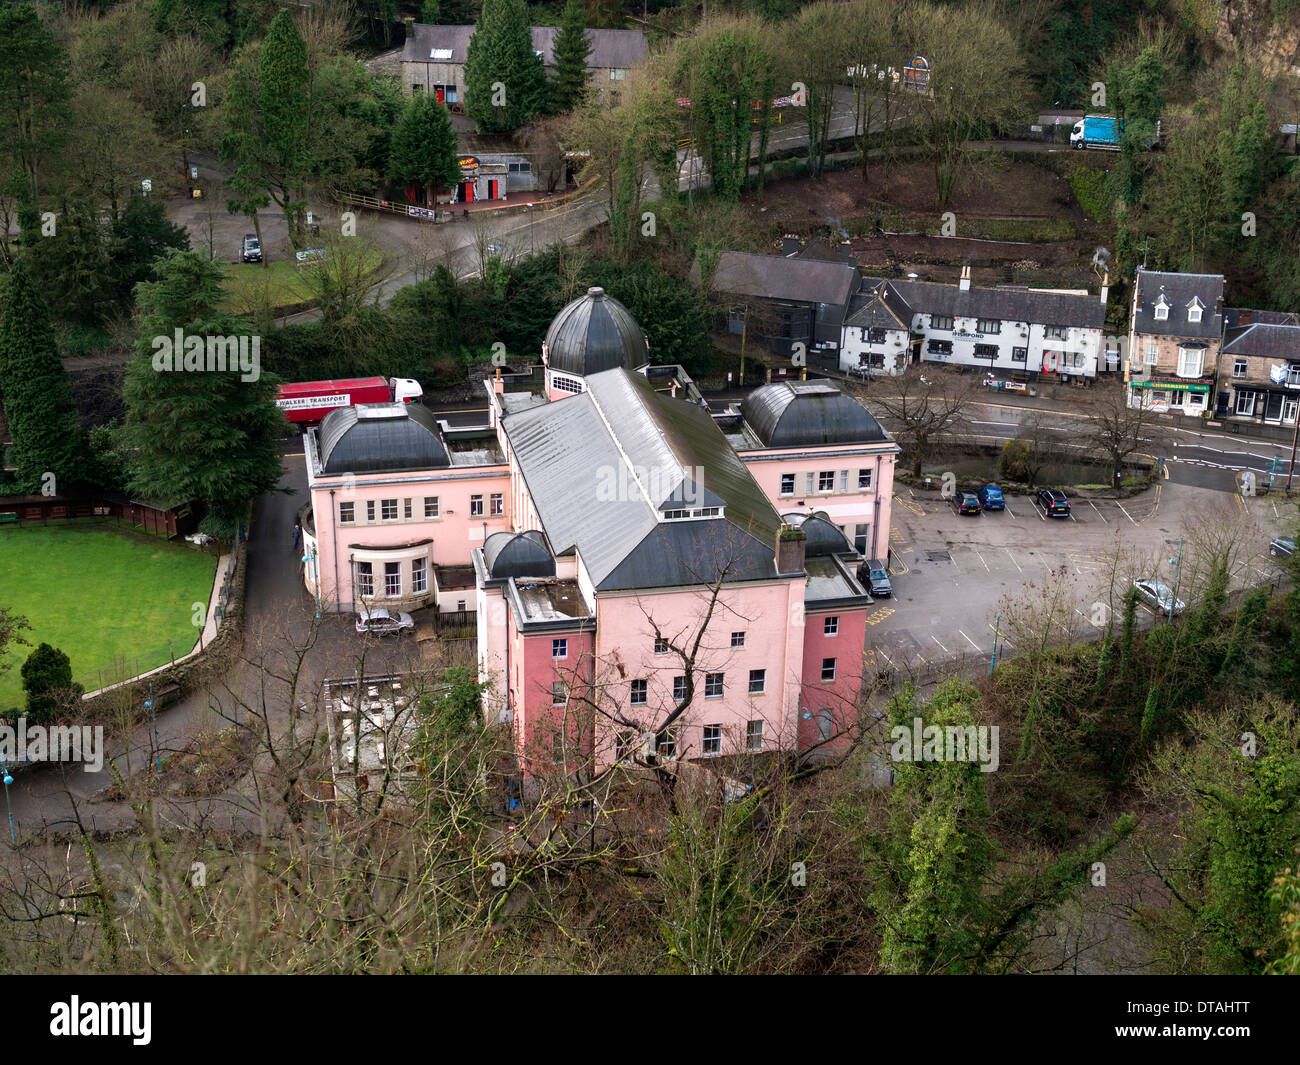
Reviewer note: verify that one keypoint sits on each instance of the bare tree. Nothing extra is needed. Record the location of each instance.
(1116, 431)
(924, 408)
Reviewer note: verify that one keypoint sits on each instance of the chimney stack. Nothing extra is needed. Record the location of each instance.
(1105, 286)
(789, 245)
(846, 256)
(964, 284)
(790, 544)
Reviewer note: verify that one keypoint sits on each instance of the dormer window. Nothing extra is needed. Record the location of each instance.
(1162, 310)
(1194, 310)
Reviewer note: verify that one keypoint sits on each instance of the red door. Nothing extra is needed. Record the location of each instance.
(441, 94)
(492, 189)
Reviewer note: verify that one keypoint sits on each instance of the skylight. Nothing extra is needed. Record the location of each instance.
(440, 53)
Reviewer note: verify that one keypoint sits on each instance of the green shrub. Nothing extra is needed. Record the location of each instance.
(47, 680)
(1092, 192)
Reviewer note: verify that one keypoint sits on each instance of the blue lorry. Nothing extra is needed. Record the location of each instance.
(1103, 131)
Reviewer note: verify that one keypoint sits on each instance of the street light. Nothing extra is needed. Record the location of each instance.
(13, 836)
(997, 625)
(157, 745)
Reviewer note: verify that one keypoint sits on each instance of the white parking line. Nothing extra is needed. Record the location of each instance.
(972, 642)
(954, 562)
(1098, 510)
(1012, 513)
(941, 646)
(1001, 636)
(1126, 513)
(1013, 559)
(885, 657)
(981, 558)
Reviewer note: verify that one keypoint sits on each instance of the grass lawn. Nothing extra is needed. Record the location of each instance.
(281, 283)
(99, 594)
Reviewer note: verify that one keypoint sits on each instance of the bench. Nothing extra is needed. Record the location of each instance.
(8, 519)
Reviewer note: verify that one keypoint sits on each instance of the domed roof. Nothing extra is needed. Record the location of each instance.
(595, 333)
(808, 413)
(380, 436)
(522, 554)
(823, 537)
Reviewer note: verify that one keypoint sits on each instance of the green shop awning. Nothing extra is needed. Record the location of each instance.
(1174, 386)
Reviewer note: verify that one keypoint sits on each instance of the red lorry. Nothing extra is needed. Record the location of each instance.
(310, 401)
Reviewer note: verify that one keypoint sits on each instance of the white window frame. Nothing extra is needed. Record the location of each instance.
(392, 580)
(832, 667)
(1152, 354)
(823, 477)
(831, 625)
(754, 735)
(639, 692)
(431, 509)
(711, 742)
(759, 676)
(476, 506)
(385, 507)
(419, 575)
(560, 647)
(1161, 312)
(790, 478)
(347, 516)
(864, 480)
(1184, 354)
(496, 504)
(1249, 398)
(1240, 367)
(737, 640)
(709, 683)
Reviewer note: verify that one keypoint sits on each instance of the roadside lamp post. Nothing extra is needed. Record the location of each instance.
(4, 768)
(997, 626)
(1177, 563)
(310, 556)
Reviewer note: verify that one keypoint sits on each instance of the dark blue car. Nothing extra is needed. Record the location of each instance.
(991, 497)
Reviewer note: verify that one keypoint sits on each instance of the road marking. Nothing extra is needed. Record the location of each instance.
(941, 646)
(885, 657)
(971, 642)
(1126, 513)
(1098, 510)
(1013, 559)
(293, 454)
(1000, 636)
(981, 558)
(1012, 513)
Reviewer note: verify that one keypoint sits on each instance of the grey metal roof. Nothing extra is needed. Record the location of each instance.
(609, 48)
(1179, 291)
(370, 437)
(823, 535)
(1272, 341)
(524, 554)
(808, 414)
(599, 466)
(593, 333)
(1006, 304)
(778, 278)
(1246, 316)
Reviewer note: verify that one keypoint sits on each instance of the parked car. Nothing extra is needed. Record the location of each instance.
(382, 622)
(965, 503)
(875, 577)
(1158, 595)
(1282, 547)
(1053, 502)
(990, 497)
(252, 250)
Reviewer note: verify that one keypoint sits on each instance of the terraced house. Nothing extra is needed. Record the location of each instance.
(1174, 341)
(1259, 368)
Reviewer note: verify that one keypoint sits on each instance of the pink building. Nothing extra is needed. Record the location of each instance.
(637, 589)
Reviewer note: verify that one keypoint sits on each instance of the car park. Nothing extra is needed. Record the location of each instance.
(873, 575)
(1053, 502)
(1282, 547)
(990, 497)
(382, 622)
(1158, 596)
(252, 249)
(965, 503)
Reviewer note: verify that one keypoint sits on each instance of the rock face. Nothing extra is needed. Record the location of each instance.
(1273, 44)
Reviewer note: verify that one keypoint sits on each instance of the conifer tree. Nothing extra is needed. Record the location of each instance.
(38, 402)
(423, 149)
(505, 81)
(572, 47)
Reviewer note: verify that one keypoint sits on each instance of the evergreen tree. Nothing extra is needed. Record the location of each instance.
(47, 680)
(423, 147)
(284, 105)
(33, 94)
(37, 397)
(205, 435)
(501, 53)
(572, 47)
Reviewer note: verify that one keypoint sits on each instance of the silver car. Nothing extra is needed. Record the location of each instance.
(1158, 596)
(382, 622)
(1282, 547)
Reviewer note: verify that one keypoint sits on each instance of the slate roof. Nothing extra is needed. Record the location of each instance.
(778, 278)
(1245, 316)
(370, 437)
(599, 465)
(1271, 341)
(868, 310)
(823, 535)
(623, 49)
(593, 333)
(1006, 304)
(1179, 290)
(808, 414)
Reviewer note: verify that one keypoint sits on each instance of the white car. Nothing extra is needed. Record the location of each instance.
(381, 622)
(1158, 595)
